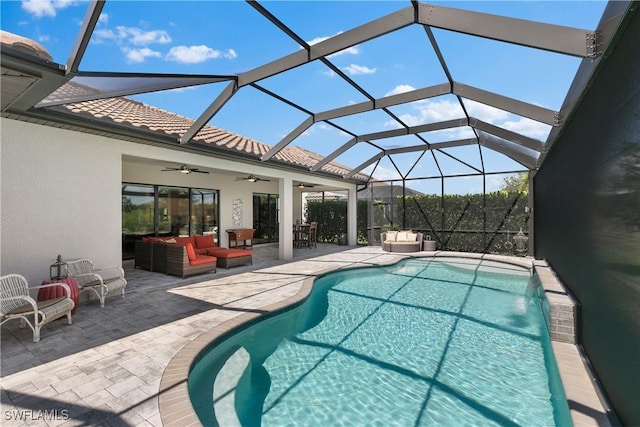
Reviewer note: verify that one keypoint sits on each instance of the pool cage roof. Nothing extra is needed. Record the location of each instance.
(446, 108)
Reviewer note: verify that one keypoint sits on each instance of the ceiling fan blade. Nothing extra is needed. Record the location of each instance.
(198, 171)
(251, 178)
(169, 170)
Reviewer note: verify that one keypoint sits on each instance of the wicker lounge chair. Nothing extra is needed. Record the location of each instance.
(16, 303)
(401, 241)
(102, 282)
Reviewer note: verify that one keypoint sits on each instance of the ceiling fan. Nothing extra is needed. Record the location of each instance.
(184, 169)
(303, 185)
(251, 178)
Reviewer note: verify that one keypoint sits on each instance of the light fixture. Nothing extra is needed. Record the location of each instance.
(252, 178)
(301, 185)
(521, 241)
(185, 169)
(58, 270)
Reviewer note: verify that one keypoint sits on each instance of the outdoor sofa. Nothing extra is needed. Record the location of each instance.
(185, 256)
(401, 241)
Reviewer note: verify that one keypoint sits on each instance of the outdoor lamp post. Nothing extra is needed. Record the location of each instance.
(521, 241)
(58, 270)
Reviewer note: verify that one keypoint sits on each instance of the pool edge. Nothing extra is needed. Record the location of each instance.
(175, 406)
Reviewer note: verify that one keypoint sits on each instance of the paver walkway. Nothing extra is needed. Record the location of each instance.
(105, 369)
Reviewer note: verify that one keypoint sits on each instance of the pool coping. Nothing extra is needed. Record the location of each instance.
(175, 406)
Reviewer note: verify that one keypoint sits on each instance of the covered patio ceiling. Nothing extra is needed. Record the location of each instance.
(460, 136)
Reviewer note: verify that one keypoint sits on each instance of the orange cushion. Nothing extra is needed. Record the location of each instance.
(191, 252)
(225, 253)
(203, 259)
(204, 242)
(185, 240)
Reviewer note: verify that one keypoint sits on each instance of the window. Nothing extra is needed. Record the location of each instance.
(153, 210)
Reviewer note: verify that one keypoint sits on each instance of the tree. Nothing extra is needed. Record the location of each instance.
(516, 183)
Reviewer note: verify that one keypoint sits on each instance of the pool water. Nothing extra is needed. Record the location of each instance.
(420, 343)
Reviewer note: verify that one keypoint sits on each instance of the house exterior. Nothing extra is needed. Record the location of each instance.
(62, 180)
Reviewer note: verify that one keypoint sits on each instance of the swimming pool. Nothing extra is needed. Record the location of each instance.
(422, 342)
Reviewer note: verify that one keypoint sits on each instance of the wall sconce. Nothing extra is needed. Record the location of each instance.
(58, 270)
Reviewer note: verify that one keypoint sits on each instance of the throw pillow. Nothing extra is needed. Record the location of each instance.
(413, 237)
(191, 252)
(391, 236)
(204, 242)
(402, 236)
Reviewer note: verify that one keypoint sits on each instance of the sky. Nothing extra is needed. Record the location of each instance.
(230, 37)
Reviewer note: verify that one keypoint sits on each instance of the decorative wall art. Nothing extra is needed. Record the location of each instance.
(236, 214)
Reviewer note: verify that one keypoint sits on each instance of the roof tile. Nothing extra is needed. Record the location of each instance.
(137, 114)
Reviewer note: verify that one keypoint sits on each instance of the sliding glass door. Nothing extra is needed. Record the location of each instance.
(138, 206)
(204, 211)
(265, 217)
(154, 210)
(173, 211)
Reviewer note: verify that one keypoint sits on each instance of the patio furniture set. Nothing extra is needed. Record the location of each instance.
(186, 256)
(59, 297)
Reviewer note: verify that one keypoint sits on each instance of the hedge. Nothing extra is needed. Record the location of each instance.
(470, 223)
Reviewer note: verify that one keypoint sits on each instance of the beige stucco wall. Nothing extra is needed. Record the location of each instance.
(60, 193)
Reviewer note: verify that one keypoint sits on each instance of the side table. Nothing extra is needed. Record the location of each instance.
(429, 245)
(52, 292)
(238, 234)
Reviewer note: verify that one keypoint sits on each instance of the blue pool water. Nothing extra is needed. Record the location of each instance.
(423, 342)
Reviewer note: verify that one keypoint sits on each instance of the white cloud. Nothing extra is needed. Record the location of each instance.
(44, 38)
(143, 38)
(42, 8)
(382, 173)
(140, 55)
(355, 69)
(506, 120)
(103, 18)
(485, 112)
(429, 112)
(101, 35)
(133, 35)
(197, 54)
(39, 8)
(528, 127)
(400, 89)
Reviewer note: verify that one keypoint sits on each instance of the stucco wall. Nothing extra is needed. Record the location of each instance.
(60, 195)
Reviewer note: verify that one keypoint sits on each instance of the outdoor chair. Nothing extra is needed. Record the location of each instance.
(16, 303)
(313, 234)
(102, 282)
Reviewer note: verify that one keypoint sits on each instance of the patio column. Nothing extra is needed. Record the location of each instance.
(285, 219)
(352, 217)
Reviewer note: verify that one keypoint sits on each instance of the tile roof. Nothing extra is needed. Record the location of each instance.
(125, 111)
(24, 44)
